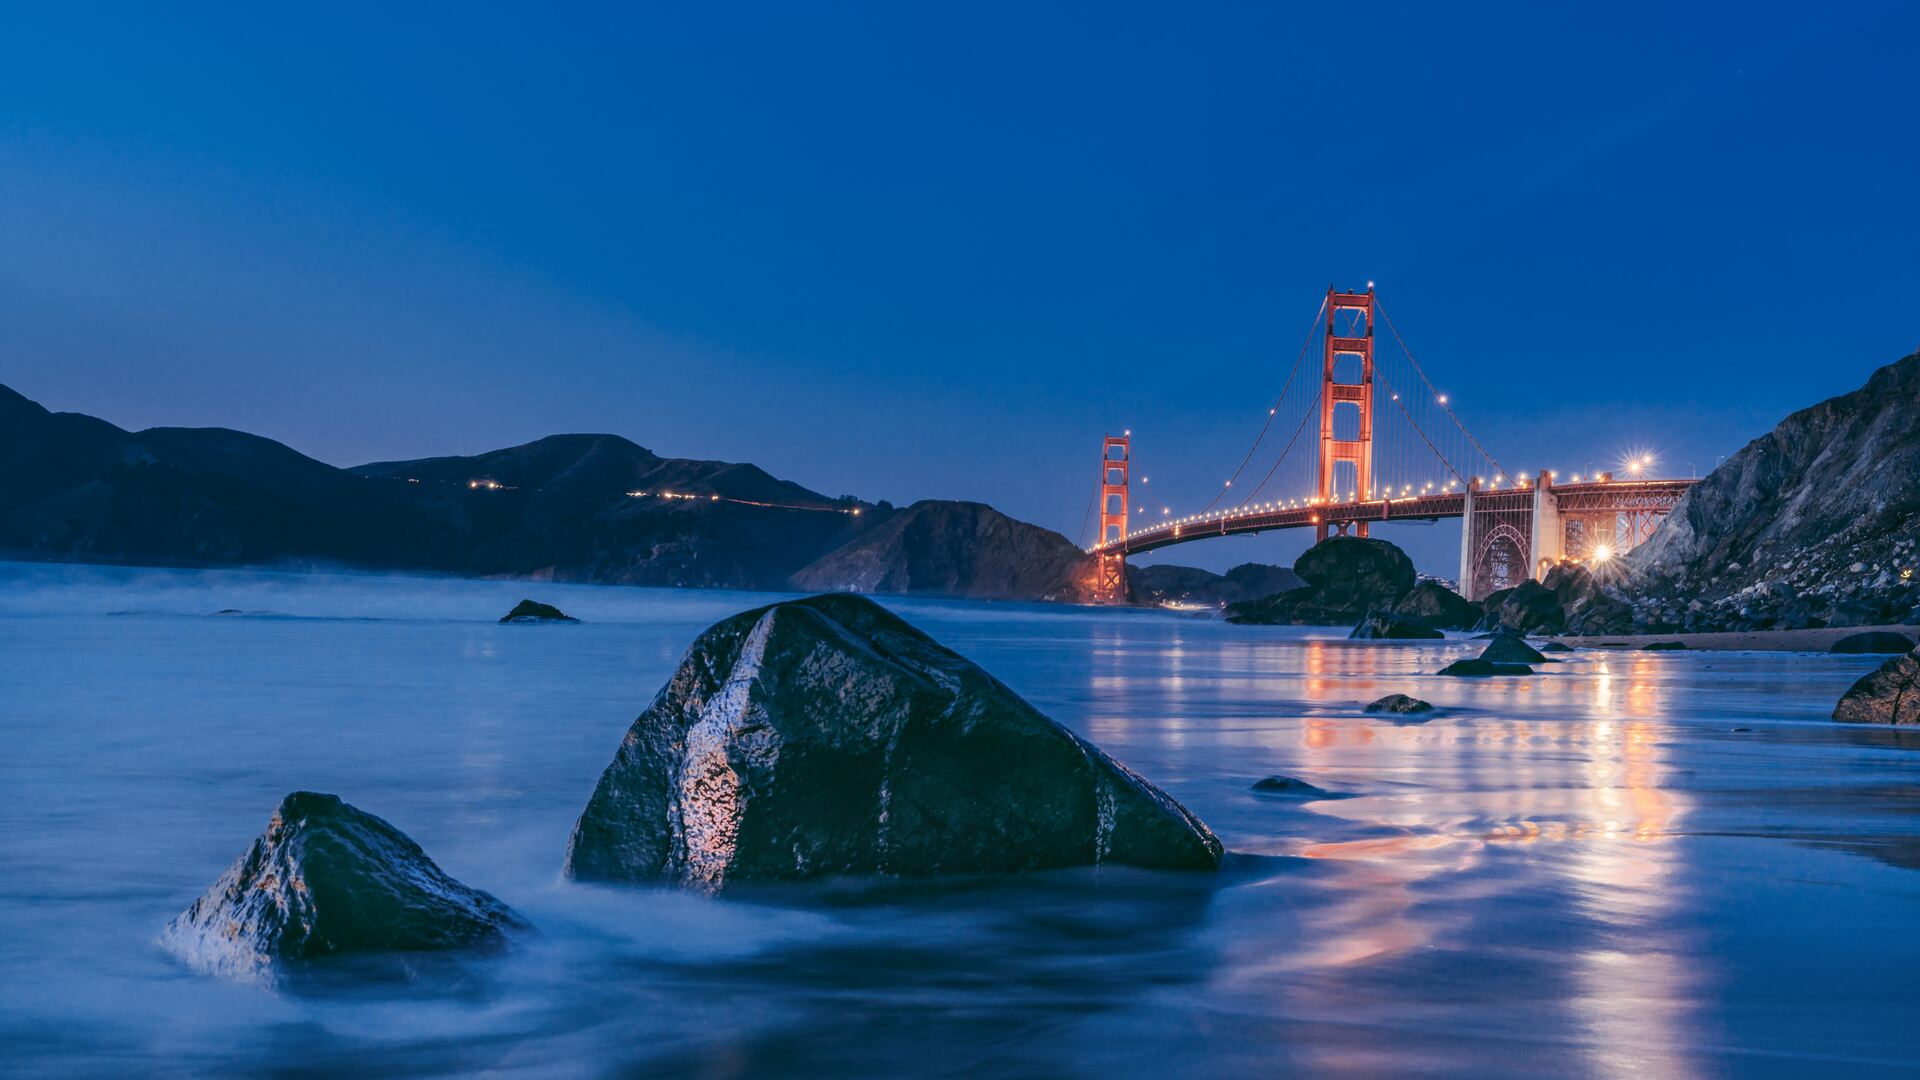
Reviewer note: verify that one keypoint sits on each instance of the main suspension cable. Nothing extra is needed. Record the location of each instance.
(1271, 413)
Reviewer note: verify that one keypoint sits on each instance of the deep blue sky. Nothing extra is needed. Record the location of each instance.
(904, 252)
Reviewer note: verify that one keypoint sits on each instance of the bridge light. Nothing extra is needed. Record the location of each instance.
(1443, 399)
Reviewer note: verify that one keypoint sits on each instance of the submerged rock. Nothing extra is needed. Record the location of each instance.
(1399, 703)
(1889, 695)
(1874, 641)
(1383, 623)
(527, 611)
(827, 736)
(1511, 649)
(327, 879)
(1293, 789)
(1476, 667)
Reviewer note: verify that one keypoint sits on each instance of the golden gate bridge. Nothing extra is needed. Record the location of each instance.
(1388, 446)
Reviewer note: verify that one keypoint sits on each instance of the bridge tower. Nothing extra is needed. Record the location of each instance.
(1116, 453)
(1357, 451)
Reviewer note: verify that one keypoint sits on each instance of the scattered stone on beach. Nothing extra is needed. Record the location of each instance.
(1384, 623)
(1555, 646)
(532, 611)
(1511, 649)
(1293, 789)
(828, 736)
(1664, 646)
(1874, 641)
(1741, 730)
(1887, 695)
(1476, 667)
(327, 879)
(1400, 703)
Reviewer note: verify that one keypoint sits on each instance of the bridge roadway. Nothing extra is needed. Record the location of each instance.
(1619, 496)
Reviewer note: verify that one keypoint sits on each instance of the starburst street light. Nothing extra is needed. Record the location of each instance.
(1637, 462)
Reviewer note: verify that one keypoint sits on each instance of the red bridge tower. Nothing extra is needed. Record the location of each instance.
(1111, 585)
(1357, 451)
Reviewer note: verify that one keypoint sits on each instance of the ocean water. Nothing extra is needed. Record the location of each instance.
(1633, 865)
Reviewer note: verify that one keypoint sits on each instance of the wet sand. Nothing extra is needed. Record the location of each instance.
(1743, 641)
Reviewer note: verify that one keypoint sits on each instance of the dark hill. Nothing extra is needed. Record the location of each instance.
(75, 487)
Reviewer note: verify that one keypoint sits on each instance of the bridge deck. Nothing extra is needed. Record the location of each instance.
(1613, 495)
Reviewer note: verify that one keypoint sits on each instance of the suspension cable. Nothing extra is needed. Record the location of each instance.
(1498, 470)
(1271, 413)
(1395, 395)
(1304, 417)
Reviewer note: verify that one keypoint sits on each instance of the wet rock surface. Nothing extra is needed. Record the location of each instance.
(1814, 524)
(327, 879)
(531, 611)
(1568, 600)
(1291, 788)
(1889, 695)
(1511, 649)
(1437, 606)
(1877, 641)
(1345, 577)
(1384, 623)
(1403, 704)
(827, 736)
(1476, 668)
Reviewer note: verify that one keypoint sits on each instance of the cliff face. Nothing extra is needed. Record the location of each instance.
(962, 549)
(1816, 523)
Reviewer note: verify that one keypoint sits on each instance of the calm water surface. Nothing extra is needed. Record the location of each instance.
(1587, 873)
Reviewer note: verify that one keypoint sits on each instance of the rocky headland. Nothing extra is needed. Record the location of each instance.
(1815, 524)
(959, 549)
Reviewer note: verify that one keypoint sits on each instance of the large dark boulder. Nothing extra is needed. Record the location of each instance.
(1889, 695)
(1437, 606)
(827, 736)
(1385, 623)
(1874, 641)
(327, 879)
(1344, 575)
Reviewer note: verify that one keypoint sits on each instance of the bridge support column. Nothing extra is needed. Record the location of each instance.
(1548, 545)
(1465, 581)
